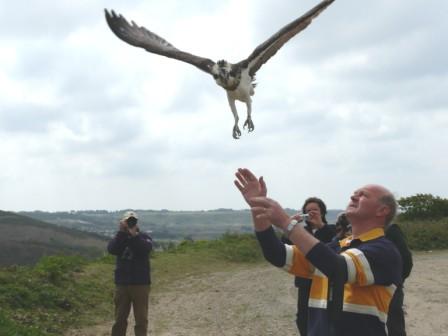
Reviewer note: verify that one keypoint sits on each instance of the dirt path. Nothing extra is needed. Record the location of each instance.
(261, 301)
(426, 295)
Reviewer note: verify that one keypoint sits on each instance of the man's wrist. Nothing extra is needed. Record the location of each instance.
(284, 222)
(293, 223)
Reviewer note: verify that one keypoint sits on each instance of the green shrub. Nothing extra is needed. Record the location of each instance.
(16, 296)
(239, 248)
(426, 235)
(423, 206)
(9, 327)
(55, 269)
(57, 293)
(230, 247)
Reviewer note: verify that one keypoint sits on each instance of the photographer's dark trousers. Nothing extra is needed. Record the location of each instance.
(395, 317)
(125, 296)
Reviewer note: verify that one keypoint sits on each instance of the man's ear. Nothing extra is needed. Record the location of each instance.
(383, 211)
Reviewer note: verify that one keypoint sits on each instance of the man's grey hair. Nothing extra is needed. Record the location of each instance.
(389, 201)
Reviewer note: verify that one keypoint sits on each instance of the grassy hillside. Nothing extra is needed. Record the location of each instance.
(24, 240)
(63, 292)
(57, 292)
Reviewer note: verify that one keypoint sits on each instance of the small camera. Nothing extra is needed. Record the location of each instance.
(131, 222)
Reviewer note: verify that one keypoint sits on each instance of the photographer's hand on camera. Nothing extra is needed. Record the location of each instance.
(123, 226)
(132, 226)
(133, 231)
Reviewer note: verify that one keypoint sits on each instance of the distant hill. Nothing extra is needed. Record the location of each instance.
(24, 240)
(163, 224)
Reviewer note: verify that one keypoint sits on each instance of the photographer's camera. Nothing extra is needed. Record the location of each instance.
(131, 222)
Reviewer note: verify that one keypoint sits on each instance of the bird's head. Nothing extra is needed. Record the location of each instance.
(224, 75)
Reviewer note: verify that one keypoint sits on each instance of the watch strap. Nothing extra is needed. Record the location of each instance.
(292, 224)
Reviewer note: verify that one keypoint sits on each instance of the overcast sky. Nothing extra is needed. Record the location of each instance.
(90, 122)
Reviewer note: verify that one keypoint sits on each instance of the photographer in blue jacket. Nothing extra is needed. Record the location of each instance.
(132, 275)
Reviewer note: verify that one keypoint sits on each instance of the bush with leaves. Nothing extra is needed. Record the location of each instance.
(423, 206)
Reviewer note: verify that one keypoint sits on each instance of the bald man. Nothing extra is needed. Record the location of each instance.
(354, 279)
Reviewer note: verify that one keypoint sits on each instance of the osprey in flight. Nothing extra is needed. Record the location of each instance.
(237, 79)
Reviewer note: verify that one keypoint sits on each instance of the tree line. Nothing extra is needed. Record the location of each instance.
(423, 206)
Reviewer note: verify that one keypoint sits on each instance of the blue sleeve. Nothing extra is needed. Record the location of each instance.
(273, 249)
(117, 245)
(324, 258)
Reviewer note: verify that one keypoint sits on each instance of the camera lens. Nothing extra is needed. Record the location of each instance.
(131, 221)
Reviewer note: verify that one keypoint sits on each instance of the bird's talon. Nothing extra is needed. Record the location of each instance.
(249, 124)
(236, 132)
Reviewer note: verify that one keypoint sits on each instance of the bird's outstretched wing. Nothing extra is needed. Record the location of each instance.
(268, 48)
(143, 38)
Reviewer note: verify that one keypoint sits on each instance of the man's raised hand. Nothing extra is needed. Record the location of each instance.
(248, 184)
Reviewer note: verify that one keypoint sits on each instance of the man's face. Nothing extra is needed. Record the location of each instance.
(365, 203)
(315, 218)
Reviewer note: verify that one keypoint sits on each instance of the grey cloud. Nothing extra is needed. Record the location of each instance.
(135, 159)
(192, 89)
(26, 21)
(356, 26)
(26, 118)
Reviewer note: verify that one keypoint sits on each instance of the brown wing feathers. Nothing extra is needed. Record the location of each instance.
(143, 38)
(268, 48)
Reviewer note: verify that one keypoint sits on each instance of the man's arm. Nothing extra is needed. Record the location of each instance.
(269, 211)
(320, 255)
(117, 245)
(273, 249)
